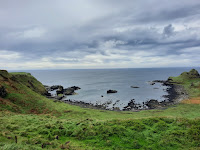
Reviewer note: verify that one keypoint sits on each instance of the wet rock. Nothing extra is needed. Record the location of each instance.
(59, 97)
(135, 87)
(152, 104)
(69, 91)
(3, 92)
(111, 91)
(132, 106)
(48, 88)
(59, 91)
(158, 81)
(75, 88)
(151, 82)
(55, 87)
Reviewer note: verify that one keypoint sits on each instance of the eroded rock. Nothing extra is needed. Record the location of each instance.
(111, 91)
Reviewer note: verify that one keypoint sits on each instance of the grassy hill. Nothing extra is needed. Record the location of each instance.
(28, 120)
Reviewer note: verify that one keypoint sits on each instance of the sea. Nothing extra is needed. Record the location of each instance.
(94, 83)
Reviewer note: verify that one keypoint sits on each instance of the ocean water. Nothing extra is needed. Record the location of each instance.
(95, 82)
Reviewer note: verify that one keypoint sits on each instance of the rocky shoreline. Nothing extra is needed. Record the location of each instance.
(176, 93)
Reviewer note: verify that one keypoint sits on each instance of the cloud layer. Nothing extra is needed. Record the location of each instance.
(62, 34)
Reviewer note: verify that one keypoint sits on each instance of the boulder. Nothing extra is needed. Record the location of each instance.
(59, 91)
(111, 91)
(135, 87)
(152, 104)
(69, 91)
(3, 92)
(55, 87)
(75, 88)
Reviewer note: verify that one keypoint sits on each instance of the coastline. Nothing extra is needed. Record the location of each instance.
(176, 93)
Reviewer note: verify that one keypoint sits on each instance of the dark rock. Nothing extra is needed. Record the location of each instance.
(3, 92)
(48, 88)
(75, 88)
(111, 91)
(69, 91)
(158, 81)
(55, 87)
(151, 82)
(59, 91)
(152, 104)
(135, 87)
(47, 94)
(132, 106)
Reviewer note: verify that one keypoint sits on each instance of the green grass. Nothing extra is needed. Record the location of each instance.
(35, 131)
(38, 123)
(20, 73)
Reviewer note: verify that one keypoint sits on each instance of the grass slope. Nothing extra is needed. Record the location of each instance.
(39, 123)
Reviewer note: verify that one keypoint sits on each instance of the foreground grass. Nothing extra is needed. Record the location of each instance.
(30, 121)
(44, 131)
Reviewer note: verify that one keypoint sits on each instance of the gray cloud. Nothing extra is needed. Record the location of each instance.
(99, 33)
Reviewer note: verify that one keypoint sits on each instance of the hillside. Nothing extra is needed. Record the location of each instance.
(28, 120)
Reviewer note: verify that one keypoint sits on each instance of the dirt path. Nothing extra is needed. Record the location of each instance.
(195, 100)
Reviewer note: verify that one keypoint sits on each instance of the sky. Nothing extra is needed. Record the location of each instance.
(85, 34)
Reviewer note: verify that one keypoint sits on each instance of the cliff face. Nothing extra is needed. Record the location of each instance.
(21, 92)
(21, 78)
(28, 80)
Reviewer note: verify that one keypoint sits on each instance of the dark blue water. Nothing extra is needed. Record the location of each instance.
(95, 82)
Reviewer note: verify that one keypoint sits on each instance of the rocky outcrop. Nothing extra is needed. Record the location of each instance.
(3, 92)
(28, 80)
(132, 106)
(55, 87)
(75, 88)
(191, 74)
(152, 104)
(4, 74)
(111, 91)
(69, 91)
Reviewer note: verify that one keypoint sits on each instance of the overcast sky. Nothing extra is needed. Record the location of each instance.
(62, 34)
